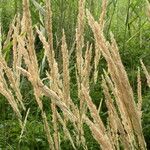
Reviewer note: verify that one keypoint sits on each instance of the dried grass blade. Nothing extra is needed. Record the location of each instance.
(146, 73)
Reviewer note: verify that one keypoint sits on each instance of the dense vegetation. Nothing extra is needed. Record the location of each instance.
(25, 128)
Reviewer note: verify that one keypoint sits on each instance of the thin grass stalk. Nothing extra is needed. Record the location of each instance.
(79, 63)
(24, 124)
(66, 77)
(103, 14)
(100, 105)
(87, 66)
(9, 35)
(96, 62)
(15, 44)
(30, 36)
(18, 63)
(146, 73)
(52, 63)
(80, 43)
(80, 132)
(17, 52)
(139, 93)
(79, 35)
(97, 50)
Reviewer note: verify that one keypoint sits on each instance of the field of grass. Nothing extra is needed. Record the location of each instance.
(74, 74)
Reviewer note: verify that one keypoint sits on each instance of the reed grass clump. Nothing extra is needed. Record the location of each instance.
(123, 128)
